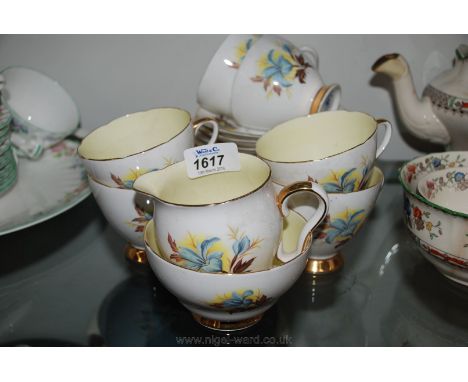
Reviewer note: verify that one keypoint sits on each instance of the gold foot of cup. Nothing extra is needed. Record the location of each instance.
(135, 255)
(225, 325)
(320, 267)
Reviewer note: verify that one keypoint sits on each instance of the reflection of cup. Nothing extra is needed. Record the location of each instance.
(277, 82)
(126, 211)
(43, 112)
(117, 153)
(335, 149)
(225, 222)
(214, 91)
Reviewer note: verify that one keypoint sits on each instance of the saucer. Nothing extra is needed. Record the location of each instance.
(44, 189)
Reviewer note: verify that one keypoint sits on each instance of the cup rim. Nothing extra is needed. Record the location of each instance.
(273, 269)
(142, 151)
(329, 156)
(421, 198)
(25, 122)
(264, 183)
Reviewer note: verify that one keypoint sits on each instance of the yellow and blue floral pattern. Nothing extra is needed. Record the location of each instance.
(241, 51)
(340, 228)
(280, 68)
(240, 300)
(210, 254)
(128, 179)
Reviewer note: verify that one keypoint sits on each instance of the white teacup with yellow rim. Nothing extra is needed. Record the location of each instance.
(117, 153)
(336, 149)
(227, 222)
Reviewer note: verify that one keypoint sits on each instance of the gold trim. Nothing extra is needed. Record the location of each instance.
(226, 325)
(210, 204)
(314, 107)
(320, 267)
(150, 148)
(382, 60)
(330, 156)
(135, 255)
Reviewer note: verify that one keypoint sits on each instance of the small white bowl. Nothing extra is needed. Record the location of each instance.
(127, 211)
(447, 188)
(42, 110)
(228, 301)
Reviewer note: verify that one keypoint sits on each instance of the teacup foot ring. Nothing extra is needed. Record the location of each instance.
(135, 255)
(323, 266)
(226, 326)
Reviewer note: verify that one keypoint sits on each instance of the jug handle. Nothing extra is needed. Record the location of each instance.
(387, 135)
(305, 238)
(312, 54)
(210, 121)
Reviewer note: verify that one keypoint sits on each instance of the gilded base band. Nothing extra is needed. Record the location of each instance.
(317, 267)
(225, 325)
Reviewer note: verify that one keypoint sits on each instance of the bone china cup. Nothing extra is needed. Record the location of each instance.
(214, 91)
(228, 302)
(346, 215)
(226, 222)
(43, 112)
(336, 149)
(117, 153)
(278, 81)
(126, 211)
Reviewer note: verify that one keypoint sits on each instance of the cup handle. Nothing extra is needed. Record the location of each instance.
(214, 134)
(305, 238)
(312, 54)
(387, 135)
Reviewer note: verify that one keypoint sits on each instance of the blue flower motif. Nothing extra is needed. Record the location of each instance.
(346, 183)
(344, 228)
(459, 177)
(239, 301)
(240, 246)
(278, 69)
(436, 162)
(201, 260)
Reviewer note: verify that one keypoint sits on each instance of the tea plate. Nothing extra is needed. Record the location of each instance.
(44, 189)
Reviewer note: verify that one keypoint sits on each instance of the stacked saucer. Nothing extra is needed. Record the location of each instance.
(8, 169)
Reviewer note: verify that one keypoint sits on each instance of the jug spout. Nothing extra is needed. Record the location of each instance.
(416, 113)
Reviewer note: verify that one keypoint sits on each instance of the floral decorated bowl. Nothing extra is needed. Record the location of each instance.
(119, 152)
(440, 233)
(447, 188)
(346, 215)
(228, 301)
(127, 212)
(42, 110)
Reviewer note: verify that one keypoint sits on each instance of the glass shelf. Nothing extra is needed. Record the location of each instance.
(65, 282)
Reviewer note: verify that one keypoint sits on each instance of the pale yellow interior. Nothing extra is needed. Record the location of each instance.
(134, 133)
(316, 136)
(172, 185)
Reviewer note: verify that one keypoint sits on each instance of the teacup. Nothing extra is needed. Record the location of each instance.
(214, 91)
(226, 222)
(277, 82)
(336, 149)
(117, 153)
(346, 215)
(127, 211)
(42, 110)
(447, 188)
